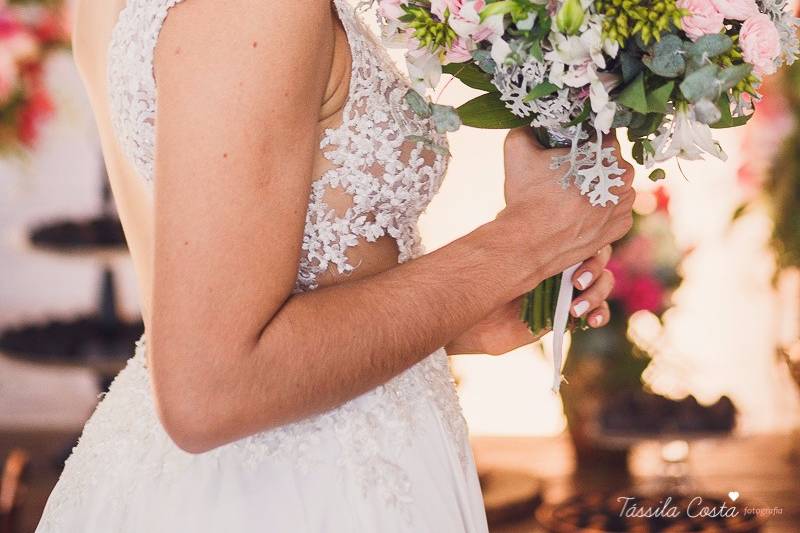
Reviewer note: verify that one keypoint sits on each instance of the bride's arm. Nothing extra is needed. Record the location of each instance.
(233, 352)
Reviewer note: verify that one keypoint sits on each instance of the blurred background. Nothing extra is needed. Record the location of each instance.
(693, 390)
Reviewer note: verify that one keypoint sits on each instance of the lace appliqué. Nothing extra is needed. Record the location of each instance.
(131, 81)
(390, 179)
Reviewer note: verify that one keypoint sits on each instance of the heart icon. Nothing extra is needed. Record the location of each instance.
(733, 495)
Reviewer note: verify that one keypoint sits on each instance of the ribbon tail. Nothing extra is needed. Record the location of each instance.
(560, 324)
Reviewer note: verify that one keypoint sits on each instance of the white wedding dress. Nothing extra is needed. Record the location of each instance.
(395, 459)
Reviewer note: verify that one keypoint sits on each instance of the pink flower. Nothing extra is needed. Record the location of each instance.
(465, 19)
(644, 294)
(703, 18)
(736, 9)
(459, 52)
(392, 9)
(761, 44)
(22, 46)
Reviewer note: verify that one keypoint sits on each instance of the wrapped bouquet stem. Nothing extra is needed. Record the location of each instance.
(668, 71)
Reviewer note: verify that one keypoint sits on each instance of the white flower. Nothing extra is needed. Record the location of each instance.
(424, 69)
(686, 138)
(500, 50)
(576, 59)
(604, 109)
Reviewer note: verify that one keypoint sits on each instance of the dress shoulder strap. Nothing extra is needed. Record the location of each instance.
(131, 81)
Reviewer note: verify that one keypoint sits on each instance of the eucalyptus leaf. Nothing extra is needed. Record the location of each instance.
(701, 83)
(418, 103)
(484, 60)
(470, 75)
(429, 144)
(730, 76)
(631, 64)
(445, 118)
(634, 96)
(665, 57)
(488, 111)
(711, 45)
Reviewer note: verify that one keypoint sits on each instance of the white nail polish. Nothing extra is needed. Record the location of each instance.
(584, 280)
(581, 307)
(597, 320)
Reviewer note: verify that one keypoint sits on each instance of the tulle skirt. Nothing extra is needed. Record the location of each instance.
(393, 460)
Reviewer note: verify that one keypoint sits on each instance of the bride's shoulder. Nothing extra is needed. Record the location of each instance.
(93, 23)
(285, 29)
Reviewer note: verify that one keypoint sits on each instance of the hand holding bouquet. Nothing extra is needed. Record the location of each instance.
(667, 70)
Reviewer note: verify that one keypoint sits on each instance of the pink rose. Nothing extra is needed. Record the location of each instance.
(761, 44)
(736, 9)
(703, 18)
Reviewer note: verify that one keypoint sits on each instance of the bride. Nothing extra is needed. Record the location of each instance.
(291, 377)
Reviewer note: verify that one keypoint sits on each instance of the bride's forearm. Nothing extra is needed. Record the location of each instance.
(327, 346)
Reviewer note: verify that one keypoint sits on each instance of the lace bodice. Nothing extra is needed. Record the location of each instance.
(378, 155)
(388, 163)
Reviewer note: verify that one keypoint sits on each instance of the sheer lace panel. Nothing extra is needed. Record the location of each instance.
(387, 178)
(390, 178)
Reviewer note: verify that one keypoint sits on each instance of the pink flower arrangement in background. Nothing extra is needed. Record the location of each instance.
(28, 30)
(645, 263)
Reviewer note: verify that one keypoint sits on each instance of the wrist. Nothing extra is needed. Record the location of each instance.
(516, 250)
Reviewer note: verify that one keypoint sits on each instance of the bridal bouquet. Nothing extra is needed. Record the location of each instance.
(667, 70)
(28, 29)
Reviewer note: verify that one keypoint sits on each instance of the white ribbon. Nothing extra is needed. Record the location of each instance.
(560, 323)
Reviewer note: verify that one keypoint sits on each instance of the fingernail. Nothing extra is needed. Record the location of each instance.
(584, 280)
(580, 308)
(597, 320)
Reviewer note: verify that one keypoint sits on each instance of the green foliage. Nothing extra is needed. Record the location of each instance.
(470, 75)
(570, 17)
(647, 20)
(634, 96)
(783, 184)
(445, 118)
(540, 91)
(431, 33)
(488, 111)
(665, 57)
(418, 104)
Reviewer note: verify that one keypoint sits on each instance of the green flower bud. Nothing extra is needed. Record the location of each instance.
(570, 17)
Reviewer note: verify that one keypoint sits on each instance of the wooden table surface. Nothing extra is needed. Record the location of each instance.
(764, 469)
(758, 467)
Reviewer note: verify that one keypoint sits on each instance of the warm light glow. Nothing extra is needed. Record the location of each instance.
(646, 203)
(644, 329)
(675, 451)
